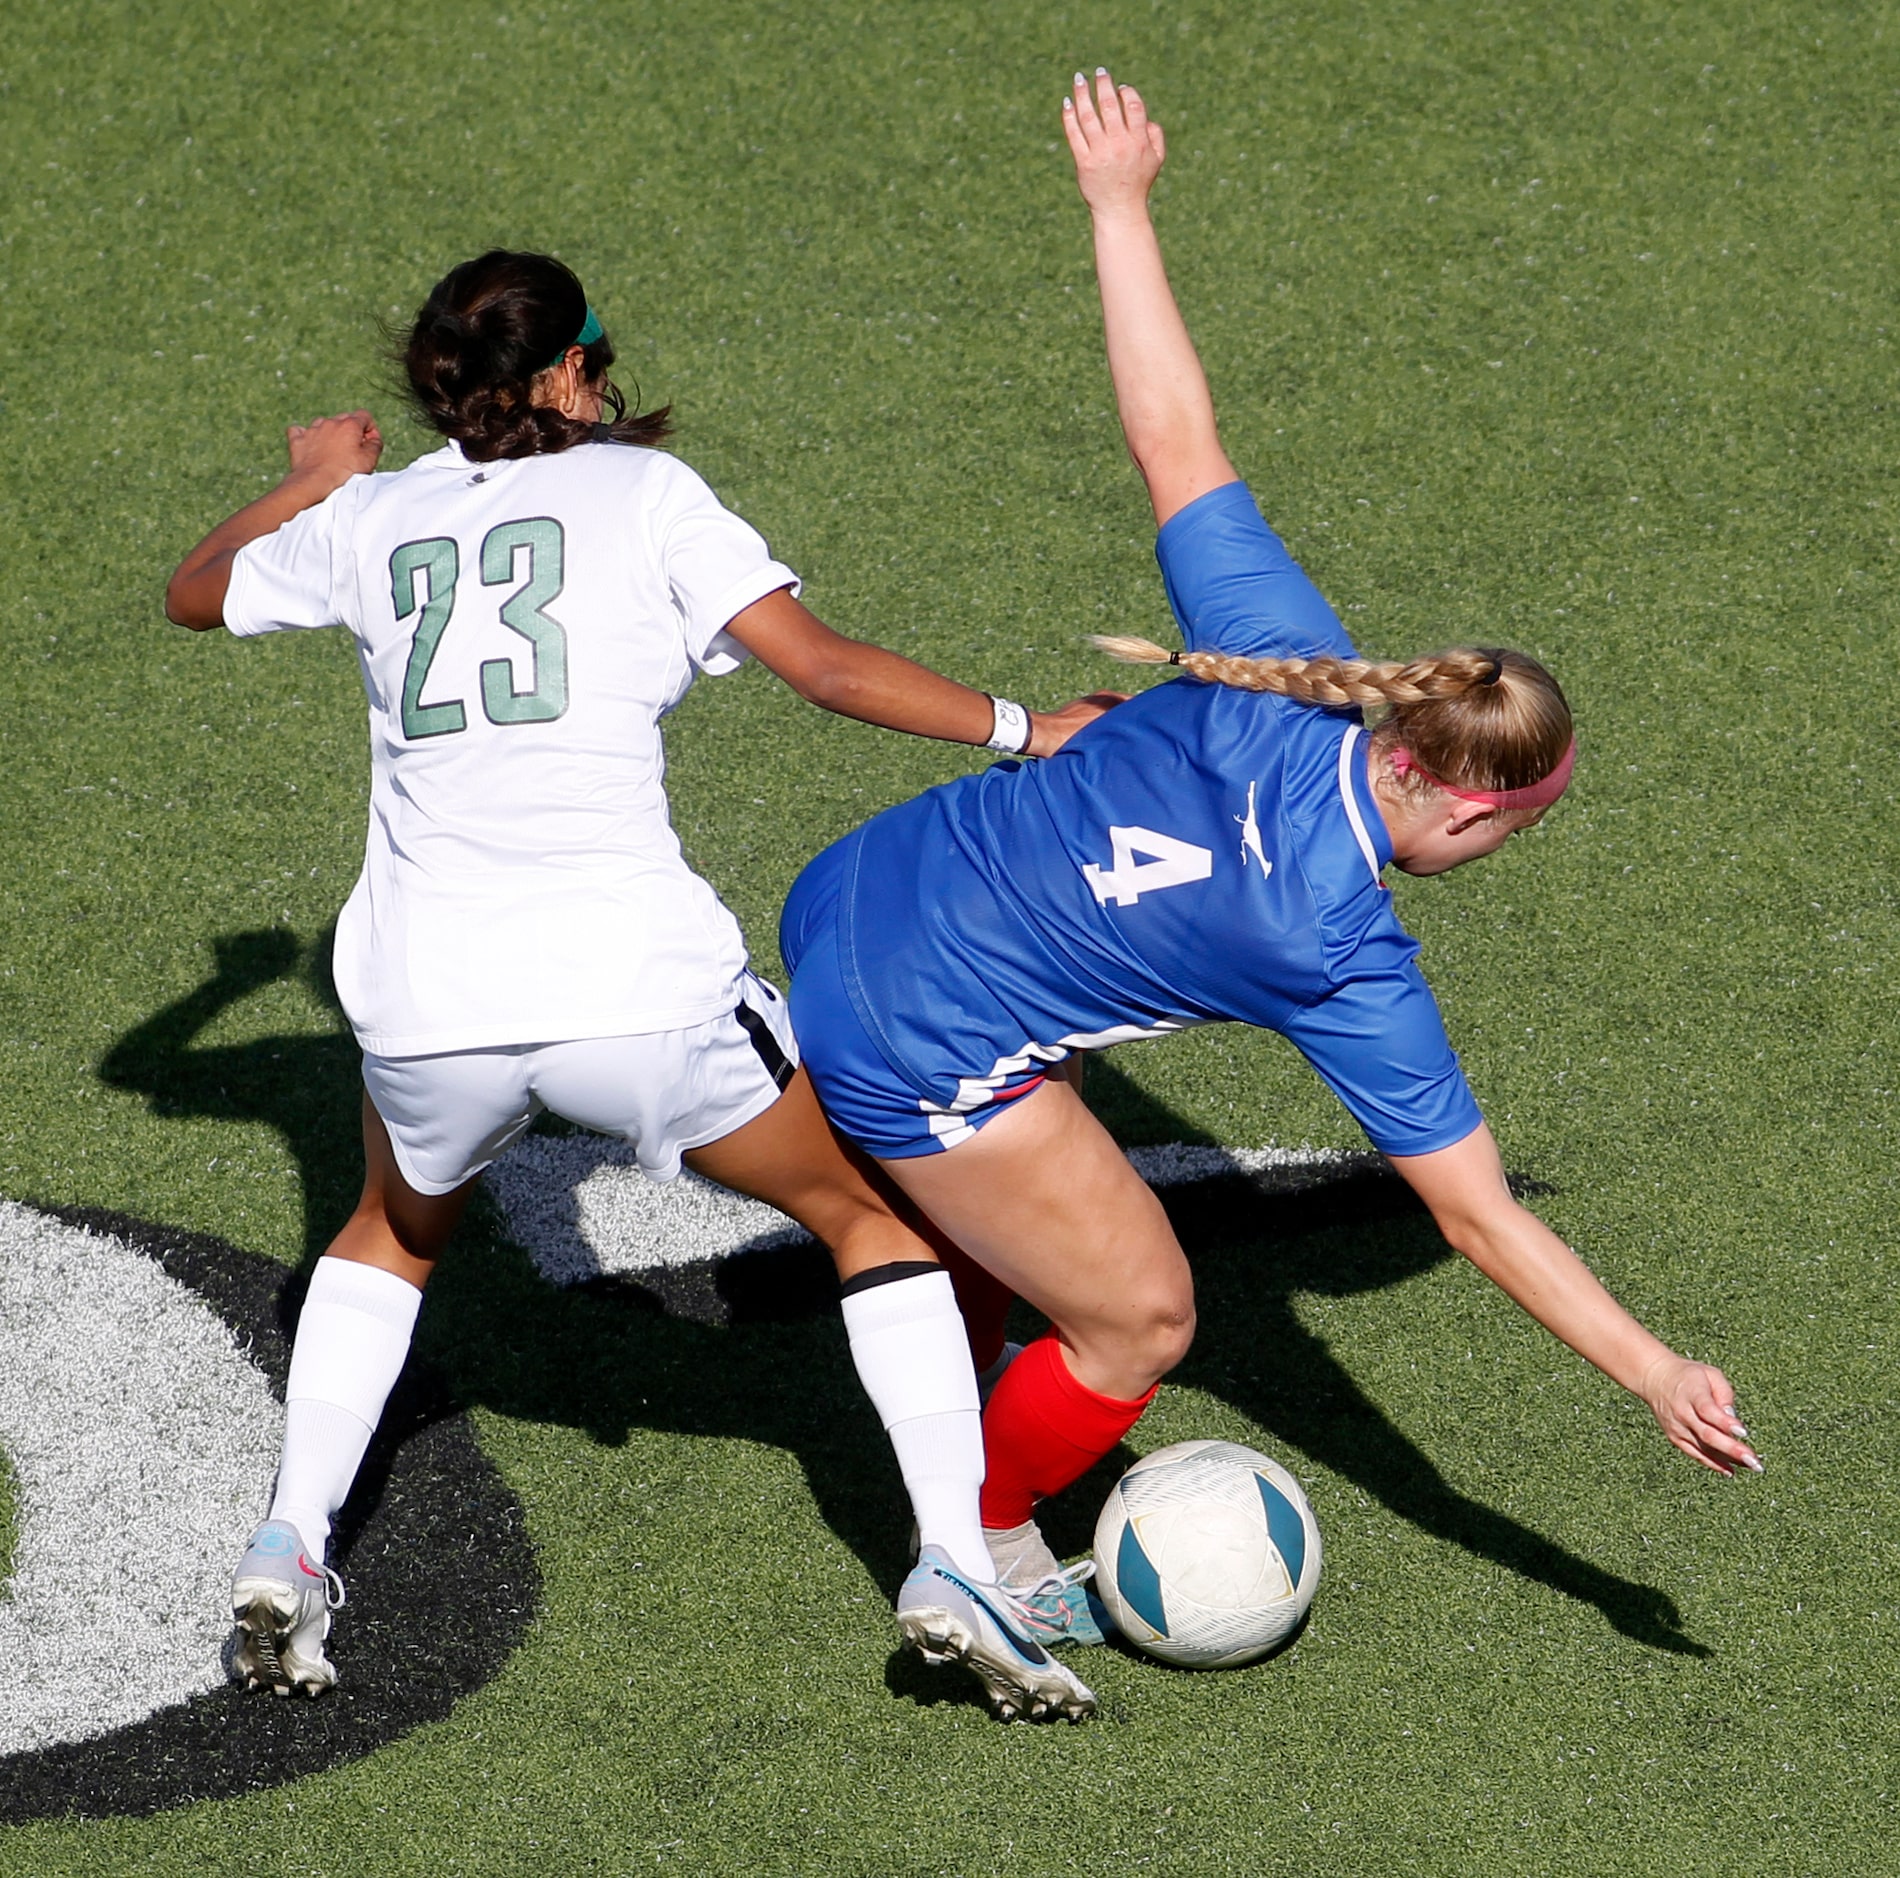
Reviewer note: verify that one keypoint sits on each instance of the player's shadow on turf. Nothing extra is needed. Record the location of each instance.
(1253, 1253)
(616, 1357)
(308, 1088)
(605, 1360)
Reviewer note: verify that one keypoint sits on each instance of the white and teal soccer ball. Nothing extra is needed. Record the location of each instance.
(1207, 1554)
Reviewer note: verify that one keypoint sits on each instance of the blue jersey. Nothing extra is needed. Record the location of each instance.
(1199, 853)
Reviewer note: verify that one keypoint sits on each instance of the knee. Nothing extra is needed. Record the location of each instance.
(1170, 1337)
(859, 1232)
(1163, 1332)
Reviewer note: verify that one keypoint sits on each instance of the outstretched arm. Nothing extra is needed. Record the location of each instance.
(1465, 1188)
(1166, 409)
(323, 457)
(857, 679)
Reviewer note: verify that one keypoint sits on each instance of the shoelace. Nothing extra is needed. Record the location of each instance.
(334, 1596)
(1066, 1578)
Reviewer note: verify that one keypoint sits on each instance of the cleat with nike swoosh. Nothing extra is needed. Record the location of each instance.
(281, 1603)
(951, 1619)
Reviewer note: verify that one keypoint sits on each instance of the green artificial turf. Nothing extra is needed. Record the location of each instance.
(9, 1522)
(1570, 330)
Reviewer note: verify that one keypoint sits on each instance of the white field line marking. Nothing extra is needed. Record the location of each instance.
(143, 1443)
(582, 1208)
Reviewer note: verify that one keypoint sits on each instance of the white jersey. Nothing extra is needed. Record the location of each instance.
(522, 627)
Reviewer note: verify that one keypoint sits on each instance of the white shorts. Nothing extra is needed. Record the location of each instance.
(449, 1116)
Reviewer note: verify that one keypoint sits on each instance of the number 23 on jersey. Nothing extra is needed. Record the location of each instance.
(438, 560)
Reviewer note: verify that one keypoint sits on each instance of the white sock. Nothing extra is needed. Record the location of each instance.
(323, 1447)
(352, 1340)
(908, 1343)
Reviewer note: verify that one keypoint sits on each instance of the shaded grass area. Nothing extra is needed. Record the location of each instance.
(425, 1490)
(1573, 332)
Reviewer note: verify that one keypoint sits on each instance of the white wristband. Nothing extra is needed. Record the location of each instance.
(1010, 731)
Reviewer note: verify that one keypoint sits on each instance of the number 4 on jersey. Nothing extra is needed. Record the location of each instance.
(1171, 863)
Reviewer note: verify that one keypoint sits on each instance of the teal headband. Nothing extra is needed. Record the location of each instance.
(589, 332)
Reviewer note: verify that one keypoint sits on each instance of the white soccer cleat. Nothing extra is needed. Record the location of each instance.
(952, 1620)
(281, 1604)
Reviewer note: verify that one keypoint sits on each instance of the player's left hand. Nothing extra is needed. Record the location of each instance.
(1118, 149)
(1695, 1405)
(1050, 730)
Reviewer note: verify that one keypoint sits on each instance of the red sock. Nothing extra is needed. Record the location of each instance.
(984, 1301)
(1044, 1429)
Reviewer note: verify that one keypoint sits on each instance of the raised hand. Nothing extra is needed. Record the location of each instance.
(333, 449)
(1118, 151)
(323, 457)
(1161, 392)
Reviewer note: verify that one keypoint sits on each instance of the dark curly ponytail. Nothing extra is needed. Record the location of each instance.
(487, 331)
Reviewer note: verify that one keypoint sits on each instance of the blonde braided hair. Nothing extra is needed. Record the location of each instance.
(1323, 681)
(1478, 717)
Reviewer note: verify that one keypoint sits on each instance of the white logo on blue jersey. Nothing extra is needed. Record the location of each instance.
(1250, 835)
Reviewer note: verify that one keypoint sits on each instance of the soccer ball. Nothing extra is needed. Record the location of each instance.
(1207, 1554)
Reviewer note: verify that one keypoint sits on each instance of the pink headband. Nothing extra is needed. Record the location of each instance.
(1539, 795)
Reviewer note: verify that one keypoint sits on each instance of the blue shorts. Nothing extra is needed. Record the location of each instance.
(884, 1111)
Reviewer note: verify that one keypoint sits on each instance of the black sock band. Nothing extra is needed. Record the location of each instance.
(888, 1275)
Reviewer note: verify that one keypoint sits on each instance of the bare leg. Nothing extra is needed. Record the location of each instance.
(1044, 1199)
(900, 1313)
(791, 1158)
(394, 1227)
